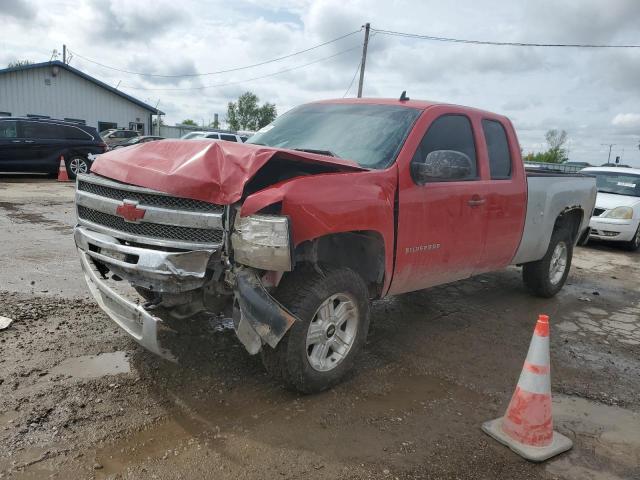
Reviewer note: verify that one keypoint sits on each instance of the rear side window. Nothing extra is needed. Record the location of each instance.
(498, 149)
(9, 129)
(228, 138)
(449, 132)
(72, 133)
(213, 135)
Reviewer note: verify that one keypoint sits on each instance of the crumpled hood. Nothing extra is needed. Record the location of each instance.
(207, 170)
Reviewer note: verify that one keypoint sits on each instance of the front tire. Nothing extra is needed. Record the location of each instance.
(77, 165)
(547, 276)
(634, 244)
(319, 350)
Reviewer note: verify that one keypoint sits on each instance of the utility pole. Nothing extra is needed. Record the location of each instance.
(64, 54)
(610, 145)
(364, 57)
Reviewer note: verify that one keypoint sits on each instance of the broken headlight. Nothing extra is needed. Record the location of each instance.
(262, 241)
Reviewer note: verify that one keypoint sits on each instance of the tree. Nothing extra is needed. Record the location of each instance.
(189, 122)
(19, 63)
(556, 139)
(245, 114)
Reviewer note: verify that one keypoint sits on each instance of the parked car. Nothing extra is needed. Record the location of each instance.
(335, 204)
(29, 145)
(616, 216)
(115, 136)
(227, 136)
(137, 140)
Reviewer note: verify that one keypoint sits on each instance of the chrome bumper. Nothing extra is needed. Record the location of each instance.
(132, 318)
(156, 270)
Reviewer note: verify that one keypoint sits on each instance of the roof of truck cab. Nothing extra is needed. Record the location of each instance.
(418, 104)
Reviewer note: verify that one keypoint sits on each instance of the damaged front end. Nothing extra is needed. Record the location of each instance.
(184, 257)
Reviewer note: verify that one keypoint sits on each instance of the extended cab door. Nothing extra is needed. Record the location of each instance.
(506, 195)
(441, 227)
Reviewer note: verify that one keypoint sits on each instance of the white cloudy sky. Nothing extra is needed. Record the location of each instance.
(593, 94)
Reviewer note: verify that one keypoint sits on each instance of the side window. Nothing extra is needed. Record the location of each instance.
(9, 129)
(131, 134)
(498, 149)
(71, 133)
(213, 135)
(450, 142)
(228, 138)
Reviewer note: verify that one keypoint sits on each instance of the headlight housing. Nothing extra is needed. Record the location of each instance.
(620, 213)
(262, 241)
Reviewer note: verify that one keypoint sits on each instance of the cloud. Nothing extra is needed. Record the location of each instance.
(18, 9)
(627, 120)
(120, 21)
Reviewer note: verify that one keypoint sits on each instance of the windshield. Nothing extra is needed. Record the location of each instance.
(192, 135)
(370, 135)
(620, 183)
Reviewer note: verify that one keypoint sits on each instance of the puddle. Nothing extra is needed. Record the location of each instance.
(93, 366)
(606, 440)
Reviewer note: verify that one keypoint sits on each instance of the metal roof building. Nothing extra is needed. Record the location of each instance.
(57, 90)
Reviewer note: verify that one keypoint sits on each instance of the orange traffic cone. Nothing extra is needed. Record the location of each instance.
(527, 426)
(62, 171)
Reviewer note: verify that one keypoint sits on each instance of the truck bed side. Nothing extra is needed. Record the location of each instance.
(549, 195)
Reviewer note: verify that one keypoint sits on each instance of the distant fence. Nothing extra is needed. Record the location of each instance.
(554, 167)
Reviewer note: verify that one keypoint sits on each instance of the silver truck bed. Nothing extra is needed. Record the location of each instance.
(548, 195)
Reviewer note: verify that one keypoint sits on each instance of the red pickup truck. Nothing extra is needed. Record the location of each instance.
(334, 204)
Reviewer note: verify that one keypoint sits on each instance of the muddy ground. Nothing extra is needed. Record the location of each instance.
(78, 399)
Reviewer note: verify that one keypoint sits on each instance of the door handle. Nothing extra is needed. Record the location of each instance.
(476, 201)
(28, 141)
(16, 141)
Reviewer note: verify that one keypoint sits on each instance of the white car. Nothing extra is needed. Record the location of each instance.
(616, 216)
(228, 136)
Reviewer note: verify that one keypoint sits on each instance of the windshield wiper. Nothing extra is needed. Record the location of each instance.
(327, 153)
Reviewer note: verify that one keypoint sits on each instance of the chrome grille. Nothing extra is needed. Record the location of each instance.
(598, 211)
(151, 230)
(150, 199)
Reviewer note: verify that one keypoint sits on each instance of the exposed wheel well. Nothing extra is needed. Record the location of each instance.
(571, 219)
(361, 251)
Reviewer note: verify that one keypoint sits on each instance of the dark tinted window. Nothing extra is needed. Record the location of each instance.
(9, 129)
(213, 135)
(449, 132)
(498, 149)
(228, 138)
(129, 134)
(41, 130)
(72, 133)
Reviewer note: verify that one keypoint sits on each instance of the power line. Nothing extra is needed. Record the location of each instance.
(353, 79)
(202, 87)
(507, 44)
(235, 69)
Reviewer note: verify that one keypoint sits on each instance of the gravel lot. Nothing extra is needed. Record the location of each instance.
(78, 399)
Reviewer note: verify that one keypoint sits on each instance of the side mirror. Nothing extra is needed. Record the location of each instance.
(442, 165)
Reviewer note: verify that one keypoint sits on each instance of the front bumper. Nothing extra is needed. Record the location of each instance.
(613, 229)
(133, 319)
(260, 319)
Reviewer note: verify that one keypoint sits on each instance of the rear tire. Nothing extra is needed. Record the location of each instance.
(319, 350)
(76, 165)
(634, 244)
(547, 276)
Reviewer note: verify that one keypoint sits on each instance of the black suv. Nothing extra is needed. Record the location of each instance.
(35, 145)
